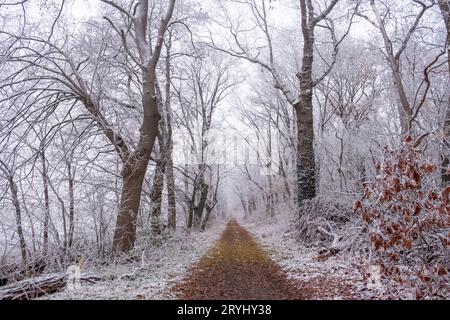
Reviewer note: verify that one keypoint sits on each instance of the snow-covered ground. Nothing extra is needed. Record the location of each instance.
(163, 266)
(151, 278)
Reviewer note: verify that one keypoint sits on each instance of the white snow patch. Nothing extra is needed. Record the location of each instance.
(151, 279)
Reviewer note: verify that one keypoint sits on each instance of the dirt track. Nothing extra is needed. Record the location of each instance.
(236, 268)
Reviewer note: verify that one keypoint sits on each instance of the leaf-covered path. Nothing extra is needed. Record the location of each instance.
(236, 268)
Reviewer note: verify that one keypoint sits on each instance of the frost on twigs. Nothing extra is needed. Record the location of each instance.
(329, 224)
(408, 216)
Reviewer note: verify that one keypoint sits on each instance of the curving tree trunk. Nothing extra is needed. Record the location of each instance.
(133, 178)
(135, 163)
(134, 170)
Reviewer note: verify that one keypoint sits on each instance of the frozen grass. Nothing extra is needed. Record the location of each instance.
(337, 277)
(149, 279)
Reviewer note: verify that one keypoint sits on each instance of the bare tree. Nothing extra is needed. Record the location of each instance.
(9, 173)
(171, 196)
(304, 106)
(303, 103)
(135, 163)
(407, 110)
(347, 98)
(209, 83)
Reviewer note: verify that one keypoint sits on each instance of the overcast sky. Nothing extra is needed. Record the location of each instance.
(82, 9)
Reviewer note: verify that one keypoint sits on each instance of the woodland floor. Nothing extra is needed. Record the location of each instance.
(236, 268)
(266, 262)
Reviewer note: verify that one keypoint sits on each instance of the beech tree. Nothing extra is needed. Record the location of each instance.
(135, 163)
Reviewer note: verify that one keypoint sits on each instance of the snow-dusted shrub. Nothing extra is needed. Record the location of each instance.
(408, 216)
(331, 223)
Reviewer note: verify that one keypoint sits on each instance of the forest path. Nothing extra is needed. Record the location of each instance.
(236, 268)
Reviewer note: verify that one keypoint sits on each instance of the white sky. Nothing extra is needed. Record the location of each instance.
(82, 9)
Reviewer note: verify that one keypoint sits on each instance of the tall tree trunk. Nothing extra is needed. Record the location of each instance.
(404, 108)
(209, 209)
(252, 205)
(171, 196)
(133, 177)
(172, 214)
(270, 200)
(199, 208)
(46, 202)
(191, 204)
(190, 214)
(445, 9)
(18, 215)
(135, 165)
(306, 178)
(210, 204)
(244, 206)
(71, 205)
(157, 190)
(287, 195)
(270, 173)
